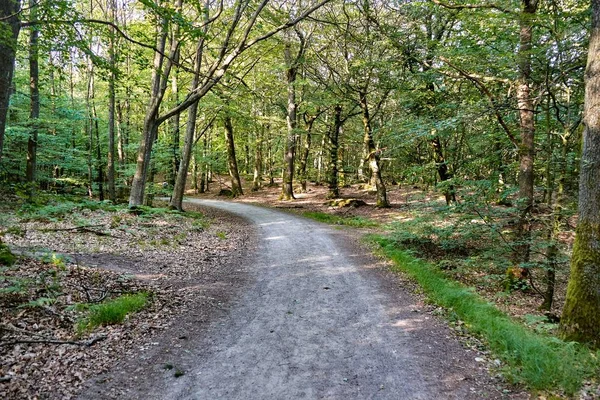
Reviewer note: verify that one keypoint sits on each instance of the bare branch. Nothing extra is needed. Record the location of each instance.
(472, 6)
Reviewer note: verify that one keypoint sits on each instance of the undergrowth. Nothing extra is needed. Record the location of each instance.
(111, 312)
(52, 208)
(357, 222)
(541, 362)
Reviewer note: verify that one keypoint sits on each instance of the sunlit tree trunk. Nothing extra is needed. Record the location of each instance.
(581, 314)
(373, 154)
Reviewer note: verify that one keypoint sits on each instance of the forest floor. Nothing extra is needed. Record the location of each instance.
(192, 269)
(74, 257)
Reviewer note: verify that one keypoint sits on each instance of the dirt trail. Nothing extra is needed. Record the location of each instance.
(315, 322)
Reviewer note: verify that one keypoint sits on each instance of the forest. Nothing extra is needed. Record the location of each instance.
(488, 106)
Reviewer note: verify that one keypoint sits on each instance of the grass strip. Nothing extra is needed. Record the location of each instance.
(540, 362)
(356, 222)
(113, 311)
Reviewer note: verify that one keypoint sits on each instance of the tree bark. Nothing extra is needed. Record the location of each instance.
(160, 74)
(112, 194)
(190, 129)
(258, 159)
(442, 168)
(332, 171)
(309, 121)
(287, 192)
(373, 154)
(34, 92)
(9, 21)
(236, 184)
(527, 130)
(581, 314)
(99, 165)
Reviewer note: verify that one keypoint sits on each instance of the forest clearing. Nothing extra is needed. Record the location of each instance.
(161, 163)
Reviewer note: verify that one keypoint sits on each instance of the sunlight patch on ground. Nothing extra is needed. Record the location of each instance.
(315, 259)
(275, 237)
(273, 223)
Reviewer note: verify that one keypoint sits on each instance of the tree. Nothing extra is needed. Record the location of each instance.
(581, 314)
(239, 29)
(292, 63)
(9, 31)
(34, 94)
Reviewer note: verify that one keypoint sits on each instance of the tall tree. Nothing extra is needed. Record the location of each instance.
(34, 93)
(292, 63)
(10, 25)
(237, 39)
(112, 54)
(581, 314)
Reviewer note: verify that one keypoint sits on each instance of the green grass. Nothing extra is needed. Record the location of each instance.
(113, 311)
(55, 208)
(538, 361)
(357, 222)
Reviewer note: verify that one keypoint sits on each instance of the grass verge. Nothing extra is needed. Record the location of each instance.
(540, 362)
(357, 222)
(113, 311)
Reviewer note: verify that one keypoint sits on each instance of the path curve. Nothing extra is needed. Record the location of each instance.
(317, 324)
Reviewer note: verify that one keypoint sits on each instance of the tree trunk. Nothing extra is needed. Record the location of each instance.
(581, 314)
(160, 73)
(9, 22)
(99, 165)
(190, 129)
(527, 129)
(205, 166)
(175, 131)
(442, 168)
(236, 184)
(34, 91)
(302, 173)
(270, 162)
(258, 159)
(332, 171)
(112, 194)
(291, 119)
(373, 154)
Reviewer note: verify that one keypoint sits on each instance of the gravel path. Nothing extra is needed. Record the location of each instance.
(316, 319)
(317, 325)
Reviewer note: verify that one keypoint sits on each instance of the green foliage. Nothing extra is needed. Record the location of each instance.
(55, 208)
(112, 311)
(539, 361)
(6, 256)
(357, 222)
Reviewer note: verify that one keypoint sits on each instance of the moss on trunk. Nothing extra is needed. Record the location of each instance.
(581, 314)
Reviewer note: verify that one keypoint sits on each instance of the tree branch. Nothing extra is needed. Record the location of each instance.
(483, 89)
(493, 6)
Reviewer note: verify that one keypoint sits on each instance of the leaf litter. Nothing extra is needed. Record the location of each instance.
(185, 265)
